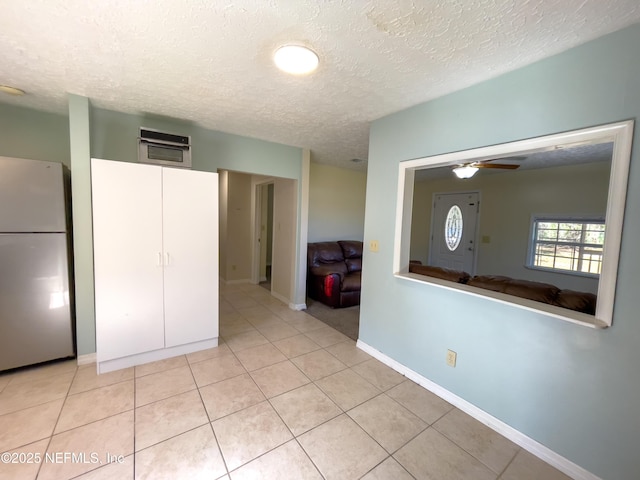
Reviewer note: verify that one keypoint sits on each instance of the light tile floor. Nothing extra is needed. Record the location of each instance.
(283, 397)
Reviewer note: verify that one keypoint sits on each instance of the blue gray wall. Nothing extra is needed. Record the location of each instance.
(27, 133)
(571, 388)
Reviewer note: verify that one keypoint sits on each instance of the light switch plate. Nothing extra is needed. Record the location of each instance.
(451, 358)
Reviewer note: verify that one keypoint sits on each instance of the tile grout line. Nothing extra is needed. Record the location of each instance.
(56, 423)
(206, 412)
(520, 449)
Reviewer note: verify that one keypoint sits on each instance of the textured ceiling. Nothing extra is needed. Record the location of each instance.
(209, 62)
(567, 155)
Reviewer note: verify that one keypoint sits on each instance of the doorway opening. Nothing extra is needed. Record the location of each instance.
(264, 195)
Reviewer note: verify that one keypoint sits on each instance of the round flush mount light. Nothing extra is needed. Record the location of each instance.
(296, 59)
(11, 90)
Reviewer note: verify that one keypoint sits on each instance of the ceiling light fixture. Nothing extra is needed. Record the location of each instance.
(296, 59)
(465, 171)
(11, 90)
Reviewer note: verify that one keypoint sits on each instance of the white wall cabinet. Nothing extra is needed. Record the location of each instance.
(156, 262)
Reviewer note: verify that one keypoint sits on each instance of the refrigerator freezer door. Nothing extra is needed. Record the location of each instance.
(35, 319)
(31, 196)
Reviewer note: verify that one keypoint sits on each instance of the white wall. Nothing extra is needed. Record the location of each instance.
(284, 221)
(336, 203)
(239, 244)
(223, 194)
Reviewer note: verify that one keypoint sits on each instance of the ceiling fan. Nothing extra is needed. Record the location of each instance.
(468, 170)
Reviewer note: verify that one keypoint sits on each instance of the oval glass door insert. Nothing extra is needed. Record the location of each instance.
(453, 228)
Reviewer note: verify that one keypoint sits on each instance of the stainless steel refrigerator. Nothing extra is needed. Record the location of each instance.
(35, 313)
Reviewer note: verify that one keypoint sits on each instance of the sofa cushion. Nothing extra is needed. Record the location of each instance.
(353, 264)
(351, 282)
(324, 252)
(497, 283)
(351, 248)
(537, 291)
(580, 301)
(458, 276)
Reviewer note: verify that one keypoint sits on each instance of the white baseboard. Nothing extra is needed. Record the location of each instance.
(237, 282)
(105, 366)
(552, 458)
(298, 306)
(86, 359)
(282, 298)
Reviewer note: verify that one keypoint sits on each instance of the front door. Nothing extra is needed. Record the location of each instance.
(453, 232)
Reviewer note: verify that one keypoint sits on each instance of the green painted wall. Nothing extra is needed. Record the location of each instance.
(571, 388)
(79, 109)
(27, 133)
(336, 203)
(113, 135)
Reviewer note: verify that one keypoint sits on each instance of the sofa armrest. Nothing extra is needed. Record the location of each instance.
(325, 288)
(339, 269)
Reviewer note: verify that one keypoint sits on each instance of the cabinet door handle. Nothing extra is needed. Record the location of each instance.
(159, 263)
(167, 262)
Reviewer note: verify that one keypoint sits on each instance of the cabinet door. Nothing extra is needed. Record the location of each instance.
(127, 230)
(190, 233)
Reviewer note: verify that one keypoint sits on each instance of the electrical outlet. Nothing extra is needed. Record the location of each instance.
(451, 358)
(373, 245)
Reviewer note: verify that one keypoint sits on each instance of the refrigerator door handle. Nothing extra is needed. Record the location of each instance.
(159, 263)
(167, 262)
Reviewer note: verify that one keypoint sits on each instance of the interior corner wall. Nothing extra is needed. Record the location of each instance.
(33, 134)
(79, 128)
(223, 195)
(336, 203)
(284, 221)
(238, 241)
(572, 389)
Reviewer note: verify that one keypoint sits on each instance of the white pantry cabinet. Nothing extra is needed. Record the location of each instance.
(155, 235)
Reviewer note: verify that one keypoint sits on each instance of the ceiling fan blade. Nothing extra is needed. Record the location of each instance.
(507, 166)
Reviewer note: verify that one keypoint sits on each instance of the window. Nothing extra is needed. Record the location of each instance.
(453, 228)
(568, 245)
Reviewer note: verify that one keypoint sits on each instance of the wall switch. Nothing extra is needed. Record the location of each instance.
(451, 358)
(373, 245)
(486, 239)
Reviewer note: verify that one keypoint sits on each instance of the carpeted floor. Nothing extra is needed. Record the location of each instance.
(345, 320)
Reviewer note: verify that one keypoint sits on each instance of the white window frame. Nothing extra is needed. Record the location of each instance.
(531, 253)
(620, 133)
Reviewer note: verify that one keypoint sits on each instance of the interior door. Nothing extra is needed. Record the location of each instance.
(127, 242)
(190, 232)
(453, 233)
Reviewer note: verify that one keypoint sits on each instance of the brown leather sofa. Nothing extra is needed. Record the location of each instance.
(584, 302)
(334, 272)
